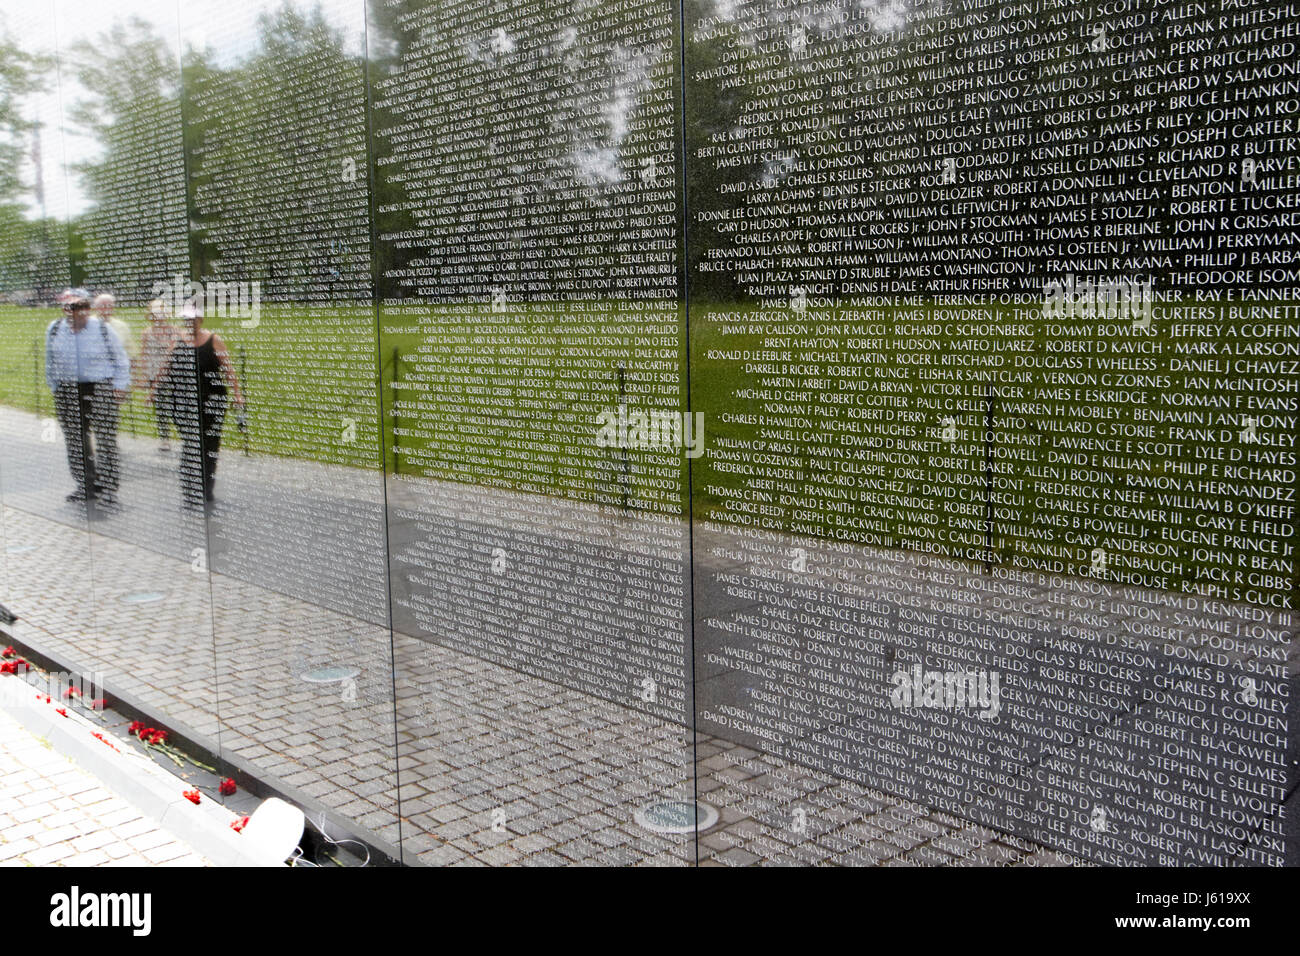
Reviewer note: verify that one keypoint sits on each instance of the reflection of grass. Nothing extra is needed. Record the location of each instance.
(896, 374)
(22, 357)
(523, 418)
(304, 371)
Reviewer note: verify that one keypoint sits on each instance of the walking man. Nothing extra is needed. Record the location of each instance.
(87, 369)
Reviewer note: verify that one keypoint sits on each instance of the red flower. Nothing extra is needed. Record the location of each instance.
(192, 796)
(21, 666)
(227, 787)
(96, 704)
(155, 736)
(71, 692)
(135, 728)
(238, 825)
(9, 652)
(61, 712)
(8, 667)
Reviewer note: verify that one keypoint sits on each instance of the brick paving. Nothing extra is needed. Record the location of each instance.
(53, 813)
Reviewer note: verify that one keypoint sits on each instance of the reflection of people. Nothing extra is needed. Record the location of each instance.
(103, 306)
(199, 378)
(156, 344)
(89, 373)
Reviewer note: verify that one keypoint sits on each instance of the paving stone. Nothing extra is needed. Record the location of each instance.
(71, 817)
(45, 855)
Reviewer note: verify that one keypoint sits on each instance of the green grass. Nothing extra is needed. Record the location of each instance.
(935, 495)
(309, 379)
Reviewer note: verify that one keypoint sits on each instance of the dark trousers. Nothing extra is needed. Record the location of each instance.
(85, 409)
(163, 418)
(200, 444)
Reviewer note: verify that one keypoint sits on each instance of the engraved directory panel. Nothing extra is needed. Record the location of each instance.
(994, 321)
(287, 470)
(528, 188)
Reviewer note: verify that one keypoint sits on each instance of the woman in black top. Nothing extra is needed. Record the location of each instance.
(200, 379)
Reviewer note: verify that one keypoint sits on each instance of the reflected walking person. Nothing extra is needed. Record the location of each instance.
(87, 370)
(104, 305)
(199, 382)
(156, 343)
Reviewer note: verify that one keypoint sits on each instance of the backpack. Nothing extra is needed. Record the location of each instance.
(103, 329)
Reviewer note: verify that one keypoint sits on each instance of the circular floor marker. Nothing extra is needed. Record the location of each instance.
(676, 816)
(20, 548)
(330, 675)
(143, 597)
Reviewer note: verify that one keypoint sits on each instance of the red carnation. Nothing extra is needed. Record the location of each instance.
(192, 796)
(8, 667)
(96, 704)
(227, 787)
(238, 825)
(71, 692)
(155, 736)
(21, 666)
(9, 652)
(135, 728)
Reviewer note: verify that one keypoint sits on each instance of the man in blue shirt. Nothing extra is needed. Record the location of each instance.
(87, 370)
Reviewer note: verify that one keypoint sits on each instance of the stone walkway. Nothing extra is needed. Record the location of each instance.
(53, 813)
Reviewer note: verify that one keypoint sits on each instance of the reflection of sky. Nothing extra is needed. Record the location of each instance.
(73, 21)
(228, 30)
(227, 27)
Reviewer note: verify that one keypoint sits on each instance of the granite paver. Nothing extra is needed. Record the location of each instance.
(103, 829)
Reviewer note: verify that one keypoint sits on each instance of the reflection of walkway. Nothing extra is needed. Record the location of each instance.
(579, 610)
(331, 518)
(558, 773)
(494, 766)
(1112, 697)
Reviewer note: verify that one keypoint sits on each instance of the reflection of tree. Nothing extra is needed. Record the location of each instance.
(28, 259)
(135, 230)
(21, 74)
(522, 151)
(942, 106)
(272, 143)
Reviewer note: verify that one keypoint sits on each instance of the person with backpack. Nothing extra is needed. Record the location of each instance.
(89, 374)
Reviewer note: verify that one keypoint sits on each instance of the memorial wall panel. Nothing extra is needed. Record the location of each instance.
(275, 123)
(528, 188)
(120, 86)
(994, 320)
(733, 432)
